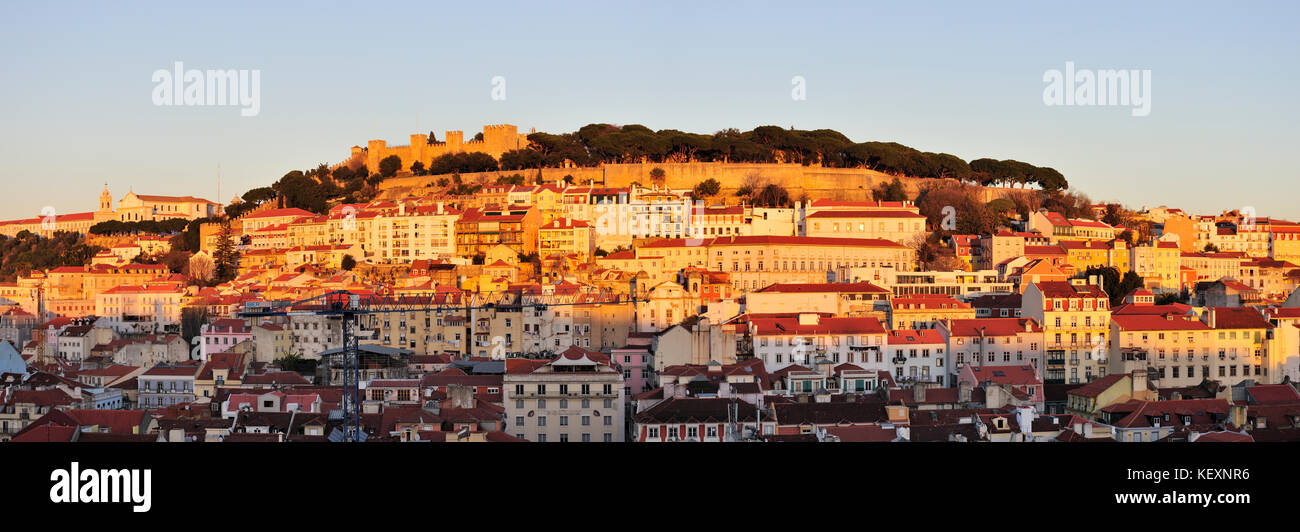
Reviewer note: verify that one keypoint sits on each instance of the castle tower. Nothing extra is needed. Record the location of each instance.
(500, 138)
(455, 141)
(418, 148)
(374, 153)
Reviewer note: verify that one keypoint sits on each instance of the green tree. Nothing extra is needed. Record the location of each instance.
(706, 188)
(225, 255)
(772, 195)
(892, 191)
(1116, 286)
(389, 166)
(348, 263)
(1114, 215)
(342, 174)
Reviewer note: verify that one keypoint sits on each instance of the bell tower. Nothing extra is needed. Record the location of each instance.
(105, 200)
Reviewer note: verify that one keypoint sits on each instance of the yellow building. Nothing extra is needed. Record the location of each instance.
(1284, 242)
(564, 236)
(410, 234)
(893, 225)
(925, 311)
(1087, 401)
(139, 207)
(1213, 266)
(1075, 317)
(1157, 264)
(1228, 344)
(1084, 254)
(754, 262)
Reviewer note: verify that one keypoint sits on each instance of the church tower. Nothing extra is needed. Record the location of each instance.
(105, 200)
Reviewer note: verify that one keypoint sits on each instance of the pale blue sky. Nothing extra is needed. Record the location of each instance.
(939, 76)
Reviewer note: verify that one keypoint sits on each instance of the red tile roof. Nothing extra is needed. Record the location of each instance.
(914, 337)
(866, 214)
(791, 326)
(1097, 386)
(842, 288)
(1273, 394)
(1168, 322)
(992, 326)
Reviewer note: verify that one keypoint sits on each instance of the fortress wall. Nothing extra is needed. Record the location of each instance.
(818, 183)
(497, 139)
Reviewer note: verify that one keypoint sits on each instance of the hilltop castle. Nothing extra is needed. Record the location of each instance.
(497, 139)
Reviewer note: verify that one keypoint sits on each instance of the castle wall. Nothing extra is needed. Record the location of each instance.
(497, 139)
(817, 182)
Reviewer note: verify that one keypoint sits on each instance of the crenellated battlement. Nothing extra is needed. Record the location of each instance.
(497, 139)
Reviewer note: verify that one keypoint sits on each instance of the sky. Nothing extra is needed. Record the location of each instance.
(964, 78)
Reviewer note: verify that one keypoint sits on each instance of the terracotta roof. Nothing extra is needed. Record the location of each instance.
(1168, 322)
(791, 326)
(992, 326)
(866, 214)
(1097, 386)
(803, 288)
(914, 337)
(1272, 394)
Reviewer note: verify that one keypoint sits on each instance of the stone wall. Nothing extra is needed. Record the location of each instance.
(497, 139)
(816, 182)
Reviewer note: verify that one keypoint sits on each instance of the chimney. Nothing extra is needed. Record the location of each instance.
(1237, 415)
(918, 392)
(963, 392)
(1139, 378)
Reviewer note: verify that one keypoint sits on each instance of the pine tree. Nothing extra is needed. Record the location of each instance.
(226, 257)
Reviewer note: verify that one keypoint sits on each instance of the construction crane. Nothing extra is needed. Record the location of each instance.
(348, 308)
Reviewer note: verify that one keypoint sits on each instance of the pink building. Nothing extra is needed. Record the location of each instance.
(638, 369)
(220, 335)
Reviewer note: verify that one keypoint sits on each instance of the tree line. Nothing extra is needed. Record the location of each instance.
(595, 144)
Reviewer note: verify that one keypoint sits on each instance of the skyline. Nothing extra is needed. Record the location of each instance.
(970, 84)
